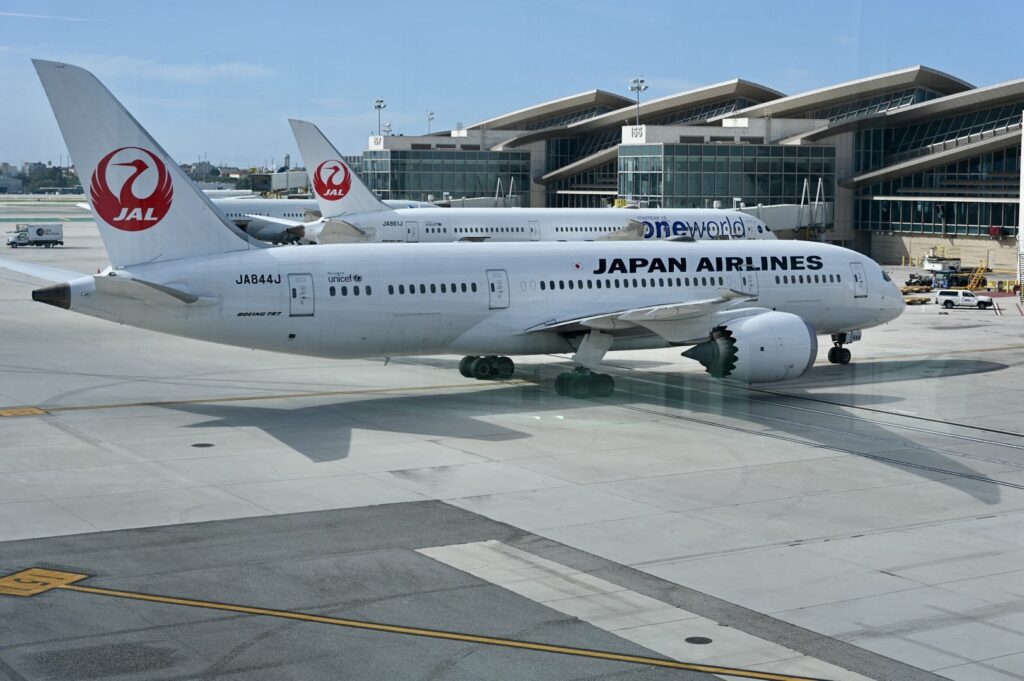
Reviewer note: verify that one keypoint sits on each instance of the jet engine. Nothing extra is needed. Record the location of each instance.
(771, 346)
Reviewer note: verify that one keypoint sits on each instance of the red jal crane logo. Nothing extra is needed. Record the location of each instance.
(326, 187)
(126, 210)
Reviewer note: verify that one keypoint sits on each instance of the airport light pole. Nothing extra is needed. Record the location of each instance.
(379, 104)
(430, 117)
(638, 85)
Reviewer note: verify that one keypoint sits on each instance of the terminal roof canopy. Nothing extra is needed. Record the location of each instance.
(561, 110)
(799, 105)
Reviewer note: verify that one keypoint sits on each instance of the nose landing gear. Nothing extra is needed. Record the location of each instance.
(838, 354)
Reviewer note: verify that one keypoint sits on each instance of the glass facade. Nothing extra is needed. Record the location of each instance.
(602, 178)
(567, 118)
(872, 105)
(419, 173)
(881, 147)
(992, 175)
(696, 175)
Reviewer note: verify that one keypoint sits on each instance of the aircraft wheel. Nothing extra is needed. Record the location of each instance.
(579, 385)
(602, 385)
(504, 368)
(466, 366)
(832, 355)
(843, 355)
(483, 368)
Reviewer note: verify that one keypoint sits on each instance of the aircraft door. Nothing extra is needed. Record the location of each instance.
(860, 282)
(300, 295)
(412, 231)
(534, 230)
(497, 283)
(748, 282)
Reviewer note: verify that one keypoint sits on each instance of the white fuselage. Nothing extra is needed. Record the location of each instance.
(470, 298)
(553, 224)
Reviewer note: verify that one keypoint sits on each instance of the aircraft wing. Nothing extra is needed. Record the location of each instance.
(633, 231)
(276, 221)
(39, 271)
(675, 322)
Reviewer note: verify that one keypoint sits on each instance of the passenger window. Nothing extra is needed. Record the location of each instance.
(344, 290)
(355, 290)
(391, 289)
(463, 287)
(777, 280)
(369, 290)
(433, 288)
(332, 290)
(473, 287)
(616, 283)
(444, 289)
(401, 288)
(561, 284)
(423, 288)
(590, 284)
(542, 286)
(570, 284)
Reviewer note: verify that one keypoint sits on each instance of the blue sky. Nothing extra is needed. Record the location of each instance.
(219, 79)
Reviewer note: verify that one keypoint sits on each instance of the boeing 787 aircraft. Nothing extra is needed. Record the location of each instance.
(351, 212)
(751, 311)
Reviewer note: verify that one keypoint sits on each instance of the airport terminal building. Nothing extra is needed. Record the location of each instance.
(893, 164)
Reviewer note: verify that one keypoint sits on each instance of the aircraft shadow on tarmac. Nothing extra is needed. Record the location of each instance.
(325, 432)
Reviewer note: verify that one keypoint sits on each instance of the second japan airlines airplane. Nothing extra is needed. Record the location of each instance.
(750, 310)
(351, 212)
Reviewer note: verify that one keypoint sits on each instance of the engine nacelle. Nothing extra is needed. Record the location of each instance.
(762, 348)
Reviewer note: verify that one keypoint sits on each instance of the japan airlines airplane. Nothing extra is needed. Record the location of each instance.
(351, 212)
(751, 311)
(277, 221)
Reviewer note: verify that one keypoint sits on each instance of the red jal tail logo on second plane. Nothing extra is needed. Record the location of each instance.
(326, 187)
(126, 210)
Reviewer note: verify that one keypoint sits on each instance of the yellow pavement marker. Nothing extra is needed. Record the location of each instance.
(38, 580)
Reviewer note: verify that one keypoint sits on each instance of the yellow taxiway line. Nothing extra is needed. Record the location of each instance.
(34, 581)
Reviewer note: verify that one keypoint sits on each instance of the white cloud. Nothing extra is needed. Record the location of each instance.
(182, 73)
(52, 17)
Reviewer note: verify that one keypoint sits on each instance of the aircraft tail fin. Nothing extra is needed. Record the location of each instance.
(338, 190)
(146, 208)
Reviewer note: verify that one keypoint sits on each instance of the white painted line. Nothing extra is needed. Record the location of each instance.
(635, 617)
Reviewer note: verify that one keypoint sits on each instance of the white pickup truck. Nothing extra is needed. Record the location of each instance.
(950, 298)
(36, 234)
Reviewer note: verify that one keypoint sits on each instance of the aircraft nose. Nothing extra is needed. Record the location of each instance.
(893, 304)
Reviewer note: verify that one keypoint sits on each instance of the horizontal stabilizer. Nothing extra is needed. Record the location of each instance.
(341, 232)
(148, 292)
(39, 271)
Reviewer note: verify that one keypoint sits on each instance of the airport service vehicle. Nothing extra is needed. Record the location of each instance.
(949, 299)
(749, 310)
(36, 234)
(351, 212)
(934, 263)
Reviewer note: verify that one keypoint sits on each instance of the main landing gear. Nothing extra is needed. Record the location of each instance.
(838, 354)
(489, 368)
(582, 382)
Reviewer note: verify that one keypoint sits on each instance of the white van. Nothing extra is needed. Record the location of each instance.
(950, 298)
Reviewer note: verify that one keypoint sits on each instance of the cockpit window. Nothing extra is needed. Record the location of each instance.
(885, 275)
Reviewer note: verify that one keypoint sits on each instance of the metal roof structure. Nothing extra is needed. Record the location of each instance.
(812, 100)
(517, 120)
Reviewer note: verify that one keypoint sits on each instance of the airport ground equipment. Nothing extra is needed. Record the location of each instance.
(950, 298)
(46, 234)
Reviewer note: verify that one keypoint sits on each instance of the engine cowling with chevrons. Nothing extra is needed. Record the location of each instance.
(763, 348)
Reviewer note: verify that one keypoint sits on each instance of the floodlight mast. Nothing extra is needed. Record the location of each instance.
(430, 117)
(379, 104)
(638, 85)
